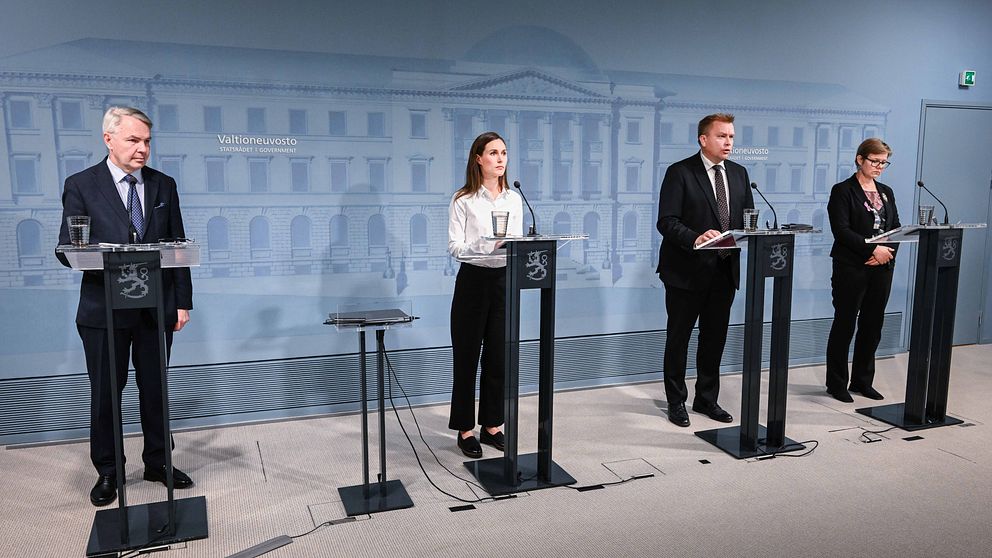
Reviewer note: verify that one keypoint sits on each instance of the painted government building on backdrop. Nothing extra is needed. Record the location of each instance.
(295, 163)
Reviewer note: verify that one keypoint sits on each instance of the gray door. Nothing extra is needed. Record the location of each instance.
(956, 164)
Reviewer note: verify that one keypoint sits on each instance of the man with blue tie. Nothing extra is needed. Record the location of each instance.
(127, 202)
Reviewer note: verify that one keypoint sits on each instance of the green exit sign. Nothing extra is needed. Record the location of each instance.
(967, 78)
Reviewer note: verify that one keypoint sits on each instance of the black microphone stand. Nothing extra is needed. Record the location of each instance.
(754, 186)
(533, 219)
(920, 184)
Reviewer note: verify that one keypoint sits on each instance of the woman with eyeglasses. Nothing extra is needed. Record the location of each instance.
(860, 207)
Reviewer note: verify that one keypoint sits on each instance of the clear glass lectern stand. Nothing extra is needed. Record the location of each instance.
(384, 495)
(938, 264)
(770, 255)
(133, 279)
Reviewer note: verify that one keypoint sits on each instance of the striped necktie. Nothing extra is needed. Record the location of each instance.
(134, 207)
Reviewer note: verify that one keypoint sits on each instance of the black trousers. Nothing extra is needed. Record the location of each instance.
(141, 344)
(860, 293)
(478, 322)
(711, 307)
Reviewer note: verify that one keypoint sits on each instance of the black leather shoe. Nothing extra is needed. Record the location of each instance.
(104, 491)
(869, 392)
(713, 411)
(841, 395)
(157, 474)
(469, 446)
(495, 440)
(677, 414)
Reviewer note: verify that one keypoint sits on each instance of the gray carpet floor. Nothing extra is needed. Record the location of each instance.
(930, 496)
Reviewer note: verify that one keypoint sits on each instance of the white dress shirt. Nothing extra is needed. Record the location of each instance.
(123, 186)
(470, 219)
(712, 175)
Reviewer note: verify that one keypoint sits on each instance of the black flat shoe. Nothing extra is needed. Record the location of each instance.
(469, 446)
(179, 478)
(677, 414)
(104, 491)
(869, 392)
(713, 411)
(495, 440)
(841, 395)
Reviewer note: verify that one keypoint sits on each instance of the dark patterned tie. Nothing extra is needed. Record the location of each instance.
(722, 207)
(134, 206)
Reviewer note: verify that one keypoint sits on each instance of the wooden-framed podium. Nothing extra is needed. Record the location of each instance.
(530, 264)
(938, 264)
(132, 277)
(770, 256)
(383, 495)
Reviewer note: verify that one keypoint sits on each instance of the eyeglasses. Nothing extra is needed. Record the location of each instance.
(877, 164)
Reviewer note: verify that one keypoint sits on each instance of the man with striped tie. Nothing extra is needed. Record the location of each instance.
(127, 202)
(701, 197)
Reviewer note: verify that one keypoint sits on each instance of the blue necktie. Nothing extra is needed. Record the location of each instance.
(134, 206)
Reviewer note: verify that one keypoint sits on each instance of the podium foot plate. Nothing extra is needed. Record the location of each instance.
(729, 440)
(148, 526)
(491, 475)
(895, 415)
(394, 497)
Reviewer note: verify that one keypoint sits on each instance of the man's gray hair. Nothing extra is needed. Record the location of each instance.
(112, 118)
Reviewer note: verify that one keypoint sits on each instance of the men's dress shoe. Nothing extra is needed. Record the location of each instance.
(495, 440)
(841, 395)
(179, 478)
(104, 491)
(713, 411)
(869, 392)
(469, 446)
(677, 414)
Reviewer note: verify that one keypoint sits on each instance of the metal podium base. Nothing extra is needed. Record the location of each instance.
(729, 440)
(148, 526)
(490, 474)
(355, 502)
(895, 415)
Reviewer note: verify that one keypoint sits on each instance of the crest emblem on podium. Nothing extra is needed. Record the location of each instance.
(949, 250)
(134, 280)
(537, 265)
(778, 258)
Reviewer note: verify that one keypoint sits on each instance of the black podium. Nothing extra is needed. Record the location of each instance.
(938, 264)
(132, 277)
(384, 495)
(530, 264)
(770, 255)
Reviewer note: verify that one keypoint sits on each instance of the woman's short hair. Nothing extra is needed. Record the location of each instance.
(872, 146)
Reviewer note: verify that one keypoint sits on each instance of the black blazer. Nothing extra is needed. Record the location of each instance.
(852, 222)
(92, 192)
(687, 209)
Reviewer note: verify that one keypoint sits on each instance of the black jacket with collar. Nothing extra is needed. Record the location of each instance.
(851, 221)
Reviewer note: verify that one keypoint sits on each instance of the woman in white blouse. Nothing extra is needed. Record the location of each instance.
(478, 305)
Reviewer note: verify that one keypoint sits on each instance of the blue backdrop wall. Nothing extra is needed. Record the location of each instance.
(317, 146)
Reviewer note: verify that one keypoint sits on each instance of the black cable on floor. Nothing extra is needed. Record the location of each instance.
(865, 433)
(393, 377)
(326, 524)
(788, 452)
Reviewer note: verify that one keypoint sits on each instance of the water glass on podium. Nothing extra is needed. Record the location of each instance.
(925, 215)
(500, 221)
(79, 229)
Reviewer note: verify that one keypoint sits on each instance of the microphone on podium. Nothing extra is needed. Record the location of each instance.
(920, 184)
(533, 219)
(754, 186)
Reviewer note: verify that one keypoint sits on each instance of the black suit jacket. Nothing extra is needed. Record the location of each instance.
(687, 209)
(852, 222)
(93, 192)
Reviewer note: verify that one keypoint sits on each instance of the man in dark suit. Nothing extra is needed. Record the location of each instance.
(127, 202)
(700, 197)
